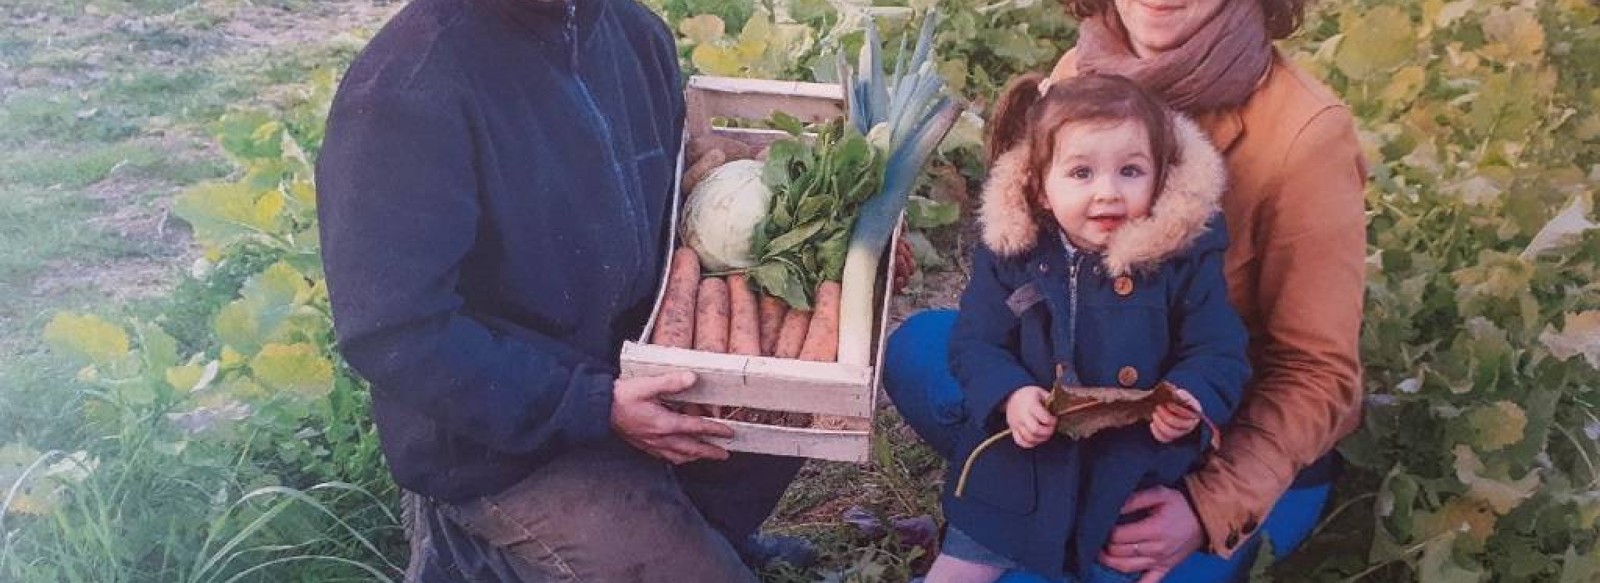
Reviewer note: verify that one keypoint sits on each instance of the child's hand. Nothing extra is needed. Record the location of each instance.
(1030, 421)
(1172, 421)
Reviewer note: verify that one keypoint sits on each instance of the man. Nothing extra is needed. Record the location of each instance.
(494, 188)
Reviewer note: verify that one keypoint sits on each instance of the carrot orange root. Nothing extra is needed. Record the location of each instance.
(744, 329)
(675, 323)
(773, 310)
(711, 316)
(793, 334)
(822, 335)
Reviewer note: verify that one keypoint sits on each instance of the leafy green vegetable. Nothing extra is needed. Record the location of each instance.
(819, 183)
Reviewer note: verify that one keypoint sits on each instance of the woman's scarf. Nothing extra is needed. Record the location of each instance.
(1216, 68)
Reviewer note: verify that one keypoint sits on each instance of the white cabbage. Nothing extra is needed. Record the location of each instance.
(722, 213)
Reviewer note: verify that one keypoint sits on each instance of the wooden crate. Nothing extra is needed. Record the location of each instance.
(777, 384)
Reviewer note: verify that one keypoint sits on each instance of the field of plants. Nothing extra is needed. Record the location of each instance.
(172, 409)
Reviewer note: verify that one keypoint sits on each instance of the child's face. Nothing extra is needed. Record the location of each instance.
(1102, 176)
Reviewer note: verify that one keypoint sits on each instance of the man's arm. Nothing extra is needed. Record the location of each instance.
(399, 213)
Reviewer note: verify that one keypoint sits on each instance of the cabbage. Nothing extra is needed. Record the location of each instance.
(722, 213)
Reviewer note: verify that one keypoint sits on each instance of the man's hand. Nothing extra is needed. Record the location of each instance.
(1030, 420)
(1159, 541)
(640, 419)
(1172, 421)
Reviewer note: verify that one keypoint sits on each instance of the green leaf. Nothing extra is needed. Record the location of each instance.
(924, 214)
(267, 301)
(1584, 568)
(779, 280)
(249, 135)
(1438, 564)
(831, 254)
(87, 338)
(787, 123)
(793, 239)
(296, 368)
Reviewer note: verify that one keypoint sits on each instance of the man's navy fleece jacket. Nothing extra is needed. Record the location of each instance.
(494, 190)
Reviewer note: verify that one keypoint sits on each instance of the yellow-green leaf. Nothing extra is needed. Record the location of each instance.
(1514, 35)
(1564, 229)
(702, 29)
(1497, 425)
(303, 193)
(296, 368)
(88, 338)
(1501, 493)
(1404, 85)
(1376, 42)
(222, 212)
(715, 60)
(1579, 336)
(192, 377)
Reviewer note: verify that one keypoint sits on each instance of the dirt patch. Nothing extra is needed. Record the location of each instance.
(324, 23)
(114, 282)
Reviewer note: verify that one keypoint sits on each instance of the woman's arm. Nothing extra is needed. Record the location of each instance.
(1307, 391)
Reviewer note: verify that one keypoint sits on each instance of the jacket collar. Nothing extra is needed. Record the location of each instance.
(1191, 195)
(547, 19)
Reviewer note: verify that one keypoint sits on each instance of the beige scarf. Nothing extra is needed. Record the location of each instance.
(1216, 68)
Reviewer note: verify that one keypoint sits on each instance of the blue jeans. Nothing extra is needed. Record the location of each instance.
(917, 377)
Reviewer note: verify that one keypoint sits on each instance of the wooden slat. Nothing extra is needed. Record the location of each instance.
(776, 384)
(839, 446)
(756, 99)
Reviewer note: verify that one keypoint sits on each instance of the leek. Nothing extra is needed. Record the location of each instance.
(909, 112)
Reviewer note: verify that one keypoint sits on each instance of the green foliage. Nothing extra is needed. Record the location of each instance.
(818, 186)
(248, 443)
(1480, 338)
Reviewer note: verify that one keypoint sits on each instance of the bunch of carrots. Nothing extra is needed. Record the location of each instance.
(727, 315)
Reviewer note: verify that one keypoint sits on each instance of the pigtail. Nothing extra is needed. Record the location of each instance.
(1008, 126)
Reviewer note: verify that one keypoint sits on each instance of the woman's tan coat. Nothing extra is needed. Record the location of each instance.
(1295, 271)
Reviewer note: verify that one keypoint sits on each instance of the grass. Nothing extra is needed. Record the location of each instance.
(101, 105)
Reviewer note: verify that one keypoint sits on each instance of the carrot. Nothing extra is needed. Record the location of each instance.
(700, 170)
(675, 322)
(772, 312)
(711, 316)
(744, 329)
(793, 333)
(822, 336)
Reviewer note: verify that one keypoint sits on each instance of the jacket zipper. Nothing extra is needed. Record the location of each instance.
(1072, 316)
(630, 206)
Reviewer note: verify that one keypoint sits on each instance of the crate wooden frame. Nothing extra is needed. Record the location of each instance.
(761, 382)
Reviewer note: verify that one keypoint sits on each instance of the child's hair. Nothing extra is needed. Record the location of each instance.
(1025, 116)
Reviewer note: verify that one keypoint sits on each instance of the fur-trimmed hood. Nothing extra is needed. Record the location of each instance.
(1191, 195)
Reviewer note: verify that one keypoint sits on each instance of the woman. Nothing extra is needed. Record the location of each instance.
(1295, 269)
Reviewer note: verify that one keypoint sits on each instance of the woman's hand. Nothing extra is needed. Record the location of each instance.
(1159, 541)
(1172, 421)
(1030, 420)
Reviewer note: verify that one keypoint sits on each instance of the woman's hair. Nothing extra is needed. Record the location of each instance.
(1283, 16)
(1025, 116)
